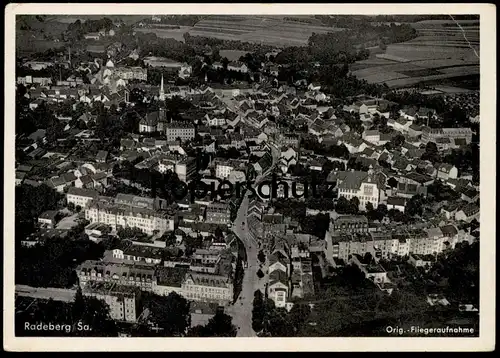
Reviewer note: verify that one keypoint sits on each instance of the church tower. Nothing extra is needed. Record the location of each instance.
(162, 92)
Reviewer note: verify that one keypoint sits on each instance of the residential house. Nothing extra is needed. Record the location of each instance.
(349, 223)
(218, 213)
(374, 272)
(80, 197)
(468, 213)
(396, 203)
(278, 288)
(237, 66)
(48, 219)
(102, 156)
(446, 171)
(372, 136)
(402, 125)
(421, 260)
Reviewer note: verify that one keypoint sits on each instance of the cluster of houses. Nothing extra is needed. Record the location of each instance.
(205, 278)
(251, 121)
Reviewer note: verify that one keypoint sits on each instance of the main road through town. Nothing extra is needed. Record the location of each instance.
(241, 311)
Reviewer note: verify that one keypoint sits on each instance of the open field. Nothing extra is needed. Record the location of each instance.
(37, 36)
(275, 30)
(68, 19)
(441, 51)
(176, 34)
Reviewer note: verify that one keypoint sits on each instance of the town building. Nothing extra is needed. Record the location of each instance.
(80, 196)
(218, 213)
(116, 214)
(365, 186)
(350, 223)
(182, 130)
(169, 279)
(122, 300)
(139, 275)
(459, 136)
(48, 219)
(127, 251)
(223, 168)
(208, 287)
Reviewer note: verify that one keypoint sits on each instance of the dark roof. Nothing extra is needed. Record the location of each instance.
(449, 230)
(470, 209)
(83, 192)
(170, 276)
(395, 200)
(49, 214)
(278, 276)
(69, 177)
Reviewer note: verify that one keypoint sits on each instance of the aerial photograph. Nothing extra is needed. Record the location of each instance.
(247, 175)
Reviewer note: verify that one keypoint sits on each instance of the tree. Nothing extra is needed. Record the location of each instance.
(354, 205)
(258, 311)
(171, 313)
(369, 207)
(261, 256)
(431, 153)
(169, 238)
(52, 264)
(88, 313)
(96, 315)
(276, 321)
(219, 325)
(298, 315)
(414, 206)
(392, 182)
(260, 274)
(130, 233)
(343, 206)
(397, 141)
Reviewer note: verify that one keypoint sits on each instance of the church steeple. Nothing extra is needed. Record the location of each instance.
(162, 92)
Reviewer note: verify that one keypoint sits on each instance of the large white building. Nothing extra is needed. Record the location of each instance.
(150, 221)
(184, 131)
(385, 244)
(80, 196)
(223, 168)
(182, 166)
(365, 186)
(120, 299)
(207, 287)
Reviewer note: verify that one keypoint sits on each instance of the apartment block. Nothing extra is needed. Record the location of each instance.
(80, 196)
(117, 213)
(120, 299)
(208, 287)
(184, 131)
(218, 213)
(136, 275)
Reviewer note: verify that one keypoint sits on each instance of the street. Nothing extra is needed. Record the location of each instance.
(57, 294)
(241, 311)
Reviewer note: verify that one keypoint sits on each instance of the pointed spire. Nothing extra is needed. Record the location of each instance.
(162, 92)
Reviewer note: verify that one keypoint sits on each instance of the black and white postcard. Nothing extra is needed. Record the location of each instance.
(306, 173)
